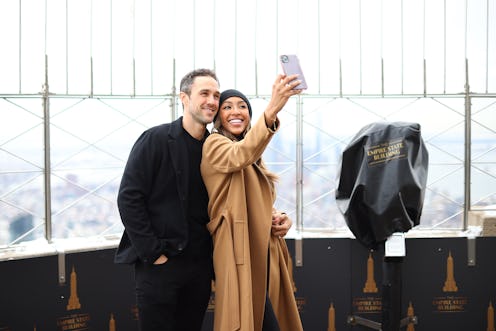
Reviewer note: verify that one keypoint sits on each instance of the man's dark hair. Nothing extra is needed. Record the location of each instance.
(189, 78)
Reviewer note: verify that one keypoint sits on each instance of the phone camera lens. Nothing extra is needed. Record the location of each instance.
(284, 59)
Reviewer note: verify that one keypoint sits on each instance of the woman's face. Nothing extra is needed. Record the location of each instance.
(234, 115)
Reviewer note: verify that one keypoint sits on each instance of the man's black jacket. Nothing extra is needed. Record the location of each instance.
(153, 196)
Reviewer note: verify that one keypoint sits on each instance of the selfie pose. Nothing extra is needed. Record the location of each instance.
(253, 286)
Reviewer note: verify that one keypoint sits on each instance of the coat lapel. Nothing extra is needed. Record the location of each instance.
(180, 160)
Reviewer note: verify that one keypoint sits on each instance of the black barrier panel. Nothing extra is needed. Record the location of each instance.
(381, 181)
(322, 295)
(28, 293)
(439, 287)
(366, 289)
(99, 295)
(443, 290)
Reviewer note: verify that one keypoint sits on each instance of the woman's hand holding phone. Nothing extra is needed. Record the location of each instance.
(291, 66)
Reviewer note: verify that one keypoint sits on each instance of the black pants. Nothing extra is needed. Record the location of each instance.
(270, 321)
(173, 296)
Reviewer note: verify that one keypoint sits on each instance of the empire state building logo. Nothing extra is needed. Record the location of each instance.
(490, 317)
(450, 283)
(370, 284)
(75, 321)
(371, 302)
(73, 298)
(451, 302)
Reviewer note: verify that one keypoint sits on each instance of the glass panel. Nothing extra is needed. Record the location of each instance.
(483, 166)
(91, 140)
(22, 198)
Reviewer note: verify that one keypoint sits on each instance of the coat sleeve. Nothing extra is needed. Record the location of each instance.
(226, 156)
(135, 187)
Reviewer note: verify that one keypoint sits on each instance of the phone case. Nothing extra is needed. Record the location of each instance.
(290, 66)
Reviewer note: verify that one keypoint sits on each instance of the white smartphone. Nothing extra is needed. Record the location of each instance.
(290, 66)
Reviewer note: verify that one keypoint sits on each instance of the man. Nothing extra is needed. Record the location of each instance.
(163, 205)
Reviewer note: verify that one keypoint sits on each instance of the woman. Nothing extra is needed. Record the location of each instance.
(253, 287)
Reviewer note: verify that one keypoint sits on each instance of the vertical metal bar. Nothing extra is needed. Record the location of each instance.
(471, 251)
(173, 101)
(299, 252)
(214, 28)
(299, 165)
(47, 169)
(111, 46)
(487, 46)
(46, 27)
(423, 51)
(340, 55)
(91, 50)
(66, 47)
(319, 42)
(468, 133)
(382, 77)
(382, 48)
(61, 267)
(134, 47)
(20, 46)
(299, 180)
(468, 149)
(403, 50)
(91, 77)
(425, 77)
(444, 46)
(194, 34)
(360, 42)
(277, 35)
(391, 293)
(151, 47)
(134, 77)
(256, 77)
(235, 43)
(466, 26)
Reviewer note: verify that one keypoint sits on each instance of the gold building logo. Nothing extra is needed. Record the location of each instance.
(112, 323)
(74, 321)
(370, 284)
(410, 313)
(490, 317)
(372, 303)
(73, 298)
(331, 318)
(450, 303)
(450, 283)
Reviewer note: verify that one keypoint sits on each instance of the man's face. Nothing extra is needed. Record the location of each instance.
(203, 103)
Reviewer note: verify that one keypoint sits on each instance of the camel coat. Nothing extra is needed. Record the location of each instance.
(240, 209)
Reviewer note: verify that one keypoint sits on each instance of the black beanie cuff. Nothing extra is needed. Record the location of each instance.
(234, 93)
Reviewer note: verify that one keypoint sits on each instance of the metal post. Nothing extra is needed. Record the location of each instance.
(299, 180)
(468, 148)
(391, 293)
(299, 165)
(47, 169)
(173, 102)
